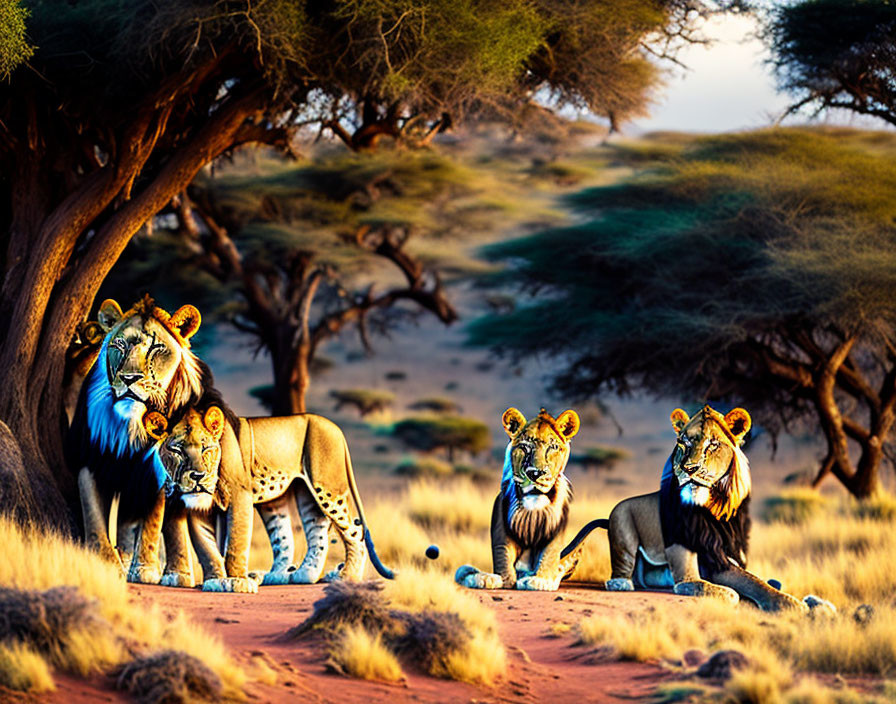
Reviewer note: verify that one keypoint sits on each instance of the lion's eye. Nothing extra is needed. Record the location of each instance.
(713, 444)
(176, 449)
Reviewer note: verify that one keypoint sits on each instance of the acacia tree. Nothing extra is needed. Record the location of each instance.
(296, 254)
(836, 54)
(121, 104)
(755, 269)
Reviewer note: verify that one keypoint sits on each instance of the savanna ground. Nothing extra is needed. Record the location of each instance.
(422, 637)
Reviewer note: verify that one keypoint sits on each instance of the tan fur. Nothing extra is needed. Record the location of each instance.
(530, 512)
(277, 451)
(707, 453)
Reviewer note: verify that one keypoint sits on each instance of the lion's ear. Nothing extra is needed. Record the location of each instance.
(568, 424)
(109, 314)
(513, 420)
(213, 420)
(186, 321)
(155, 424)
(92, 332)
(679, 419)
(739, 423)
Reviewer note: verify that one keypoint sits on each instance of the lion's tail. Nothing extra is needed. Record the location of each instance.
(368, 540)
(584, 533)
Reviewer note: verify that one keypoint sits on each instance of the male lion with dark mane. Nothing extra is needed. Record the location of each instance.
(530, 512)
(693, 534)
(144, 364)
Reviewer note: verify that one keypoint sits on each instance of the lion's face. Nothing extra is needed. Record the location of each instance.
(147, 354)
(710, 468)
(191, 454)
(538, 449)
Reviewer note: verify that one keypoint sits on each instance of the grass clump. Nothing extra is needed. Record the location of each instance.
(24, 669)
(170, 676)
(458, 505)
(795, 506)
(421, 618)
(357, 652)
(91, 624)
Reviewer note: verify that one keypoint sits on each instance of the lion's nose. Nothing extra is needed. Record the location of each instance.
(534, 473)
(196, 476)
(129, 379)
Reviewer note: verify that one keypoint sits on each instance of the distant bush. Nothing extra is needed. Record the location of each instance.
(881, 508)
(437, 404)
(367, 401)
(599, 457)
(432, 468)
(444, 432)
(794, 506)
(424, 467)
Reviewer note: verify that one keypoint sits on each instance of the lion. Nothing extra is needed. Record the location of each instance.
(144, 363)
(693, 534)
(531, 511)
(278, 451)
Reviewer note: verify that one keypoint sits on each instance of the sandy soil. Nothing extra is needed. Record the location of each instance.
(545, 669)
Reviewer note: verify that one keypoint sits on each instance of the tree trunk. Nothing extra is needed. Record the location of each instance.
(47, 294)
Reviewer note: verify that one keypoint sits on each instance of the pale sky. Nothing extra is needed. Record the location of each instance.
(727, 87)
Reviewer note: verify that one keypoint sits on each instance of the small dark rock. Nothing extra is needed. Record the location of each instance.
(722, 664)
(497, 598)
(775, 584)
(558, 598)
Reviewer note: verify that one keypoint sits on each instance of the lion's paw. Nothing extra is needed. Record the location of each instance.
(241, 585)
(703, 588)
(178, 579)
(619, 584)
(535, 583)
(274, 576)
(304, 575)
(144, 574)
(472, 578)
(818, 607)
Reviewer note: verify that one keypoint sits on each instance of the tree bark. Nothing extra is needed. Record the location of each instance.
(53, 291)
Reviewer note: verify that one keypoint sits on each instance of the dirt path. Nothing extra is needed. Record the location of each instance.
(542, 668)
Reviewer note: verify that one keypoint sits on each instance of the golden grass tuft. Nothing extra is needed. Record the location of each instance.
(357, 652)
(37, 560)
(23, 669)
(421, 616)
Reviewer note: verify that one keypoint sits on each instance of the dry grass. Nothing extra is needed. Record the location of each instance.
(102, 627)
(359, 653)
(835, 548)
(422, 617)
(24, 669)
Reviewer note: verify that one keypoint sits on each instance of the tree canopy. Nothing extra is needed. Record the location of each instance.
(837, 54)
(756, 268)
(122, 103)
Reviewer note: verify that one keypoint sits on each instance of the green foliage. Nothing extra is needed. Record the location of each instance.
(427, 433)
(686, 274)
(837, 54)
(14, 46)
(367, 401)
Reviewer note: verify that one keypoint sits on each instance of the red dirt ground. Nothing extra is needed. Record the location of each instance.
(544, 669)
